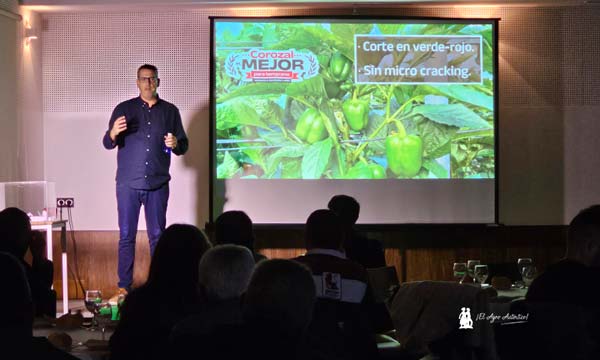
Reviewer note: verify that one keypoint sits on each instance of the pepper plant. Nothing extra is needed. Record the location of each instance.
(330, 127)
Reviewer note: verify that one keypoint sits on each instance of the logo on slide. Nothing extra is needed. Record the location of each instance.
(272, 65)
(465, 318)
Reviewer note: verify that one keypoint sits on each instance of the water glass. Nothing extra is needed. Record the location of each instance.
(529, 273)
(481, 273)
(459, 269)
(471, 267)
(522, 262)
(93, 298)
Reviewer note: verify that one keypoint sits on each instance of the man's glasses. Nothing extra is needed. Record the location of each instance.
(144, 79)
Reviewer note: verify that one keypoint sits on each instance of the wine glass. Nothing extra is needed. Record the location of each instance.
(481, 273)
(459, 269)
(471, 267)
(521, 263)
(529, 273)
(93, 298)
(104, 316)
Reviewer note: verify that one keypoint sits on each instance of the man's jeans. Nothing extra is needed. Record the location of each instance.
(129, 202)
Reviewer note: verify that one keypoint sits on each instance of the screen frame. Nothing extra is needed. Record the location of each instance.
(494, 22)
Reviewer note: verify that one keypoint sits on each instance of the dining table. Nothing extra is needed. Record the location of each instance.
(88, 343)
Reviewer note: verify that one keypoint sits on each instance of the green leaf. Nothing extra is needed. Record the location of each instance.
(251, 32)
(486, 153)
(332, 41)
(294, 151)
(234, 113)
(291, 169)
(466, 94)
(403, 93)
(270, 35)
(488, 133)
(273, 138)
(298, 39)
(228, 167)
(459, 154)
(316, 159)
(375, 120)
(255, 155)
(310, 87)
(453, 114)
(436, 169)
(389, 29)
(436, 137)
(253, 89)
(273, 114)
(346, 32)
(338, 164)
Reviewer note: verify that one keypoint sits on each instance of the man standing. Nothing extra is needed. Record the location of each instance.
(145, 129)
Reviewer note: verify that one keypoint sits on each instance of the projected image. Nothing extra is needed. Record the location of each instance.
(333, 100)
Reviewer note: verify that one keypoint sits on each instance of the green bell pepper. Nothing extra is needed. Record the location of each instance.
(332, 88)
(404, 154)
(310, 126)
(356, 113)
(378, 171)
(359, 171)
(340, 66)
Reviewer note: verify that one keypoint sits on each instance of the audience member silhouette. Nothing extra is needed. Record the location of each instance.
(278, 308)
(16, 336)
(340, 327)
(563, 303)
(235, 227)
(16, 238)
(367, 252)
(224, 273)
(569, 280)
(169, 295)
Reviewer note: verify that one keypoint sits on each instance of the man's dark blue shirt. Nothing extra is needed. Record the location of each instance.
(143, 160)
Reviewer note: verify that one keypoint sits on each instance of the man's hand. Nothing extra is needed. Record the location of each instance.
(170, 141)
(119, 126)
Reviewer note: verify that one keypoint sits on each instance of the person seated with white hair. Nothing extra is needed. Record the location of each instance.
(223, 274)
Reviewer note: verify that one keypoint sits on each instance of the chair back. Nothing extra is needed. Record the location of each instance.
(384, 283)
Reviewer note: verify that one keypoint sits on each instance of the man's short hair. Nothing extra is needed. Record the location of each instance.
(324, 230)
(148, 67)
(15, 231)
(224, 271)
(176, 257)
(234, 227)
(583, 242)
(346, 207)
(281, 295)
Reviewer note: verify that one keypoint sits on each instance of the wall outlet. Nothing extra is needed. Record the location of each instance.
(65, 203)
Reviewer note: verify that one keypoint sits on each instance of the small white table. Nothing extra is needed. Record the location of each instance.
(49, 226)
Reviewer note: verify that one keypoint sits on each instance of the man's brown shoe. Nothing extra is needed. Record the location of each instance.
(115, 298)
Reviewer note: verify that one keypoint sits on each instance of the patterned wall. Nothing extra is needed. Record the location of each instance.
(9, 5)
(546, 54)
